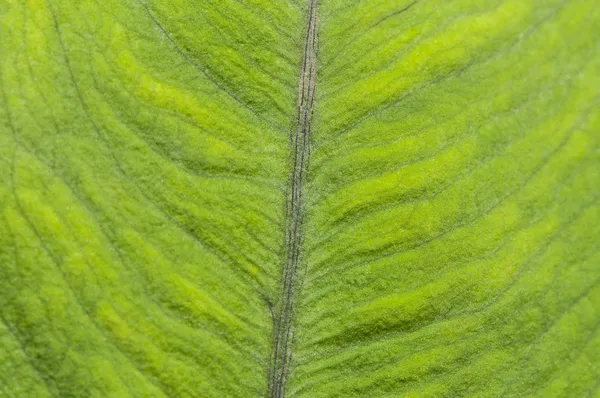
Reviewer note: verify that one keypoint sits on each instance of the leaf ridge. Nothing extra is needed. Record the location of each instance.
(281, 355)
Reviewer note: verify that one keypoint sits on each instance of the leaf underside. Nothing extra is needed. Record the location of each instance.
(158, 237)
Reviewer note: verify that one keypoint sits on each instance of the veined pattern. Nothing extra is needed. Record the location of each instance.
(450, 219)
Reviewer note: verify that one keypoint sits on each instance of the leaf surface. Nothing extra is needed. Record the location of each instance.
(299, 198)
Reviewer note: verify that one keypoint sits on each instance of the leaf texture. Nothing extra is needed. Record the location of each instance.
(332, 198)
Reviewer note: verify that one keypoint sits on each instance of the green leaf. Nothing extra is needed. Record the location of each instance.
(300, 198)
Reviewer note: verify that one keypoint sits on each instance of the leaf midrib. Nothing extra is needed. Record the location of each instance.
(281, 354)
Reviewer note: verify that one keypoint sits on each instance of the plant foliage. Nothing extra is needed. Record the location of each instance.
(342, 198)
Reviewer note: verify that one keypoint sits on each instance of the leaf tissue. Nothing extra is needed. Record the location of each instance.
(299, 198)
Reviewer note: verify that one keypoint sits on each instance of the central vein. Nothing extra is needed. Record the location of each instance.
(281, 355)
